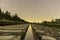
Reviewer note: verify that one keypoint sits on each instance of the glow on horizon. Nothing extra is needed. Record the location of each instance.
(33, 10)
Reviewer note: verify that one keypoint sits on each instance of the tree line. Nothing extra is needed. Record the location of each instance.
(7, 15)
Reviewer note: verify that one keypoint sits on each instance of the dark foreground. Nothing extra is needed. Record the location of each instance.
(29, 32)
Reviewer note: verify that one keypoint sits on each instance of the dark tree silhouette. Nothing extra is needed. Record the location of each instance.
(0, 13)
(3, 15)
(15, 17)
(8, 16)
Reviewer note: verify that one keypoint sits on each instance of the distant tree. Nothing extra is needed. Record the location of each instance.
(52, 21)
(57, 20)
(3, 15)
(7, 15)
(15, 17)
(44, 22)
(0, 13)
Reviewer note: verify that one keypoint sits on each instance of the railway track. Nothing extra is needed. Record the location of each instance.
(29, 32)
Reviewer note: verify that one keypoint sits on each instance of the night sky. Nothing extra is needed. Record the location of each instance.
(33, 10)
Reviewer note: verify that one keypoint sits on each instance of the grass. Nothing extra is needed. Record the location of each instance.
(4, 20)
